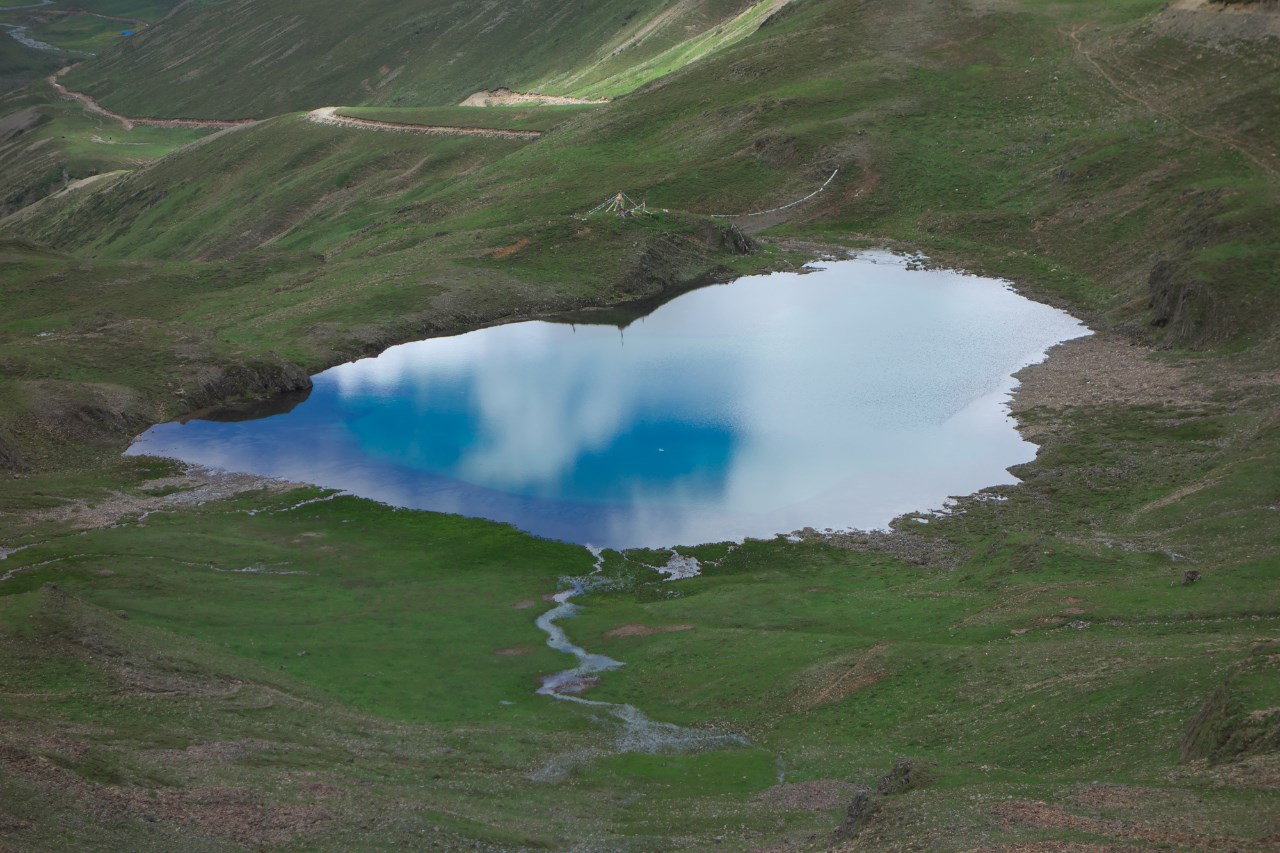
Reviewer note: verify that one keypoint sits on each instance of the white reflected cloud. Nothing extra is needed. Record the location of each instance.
(839, 398)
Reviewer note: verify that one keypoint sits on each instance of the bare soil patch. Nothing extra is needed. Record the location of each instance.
(1204, 20)
(19, 121)
(504, 97)
(508, 251)
(1061, 847)
(637, 629)
(1042, 815)
(906, 546)
(1100, 369)
(233, 813)
(836, 680)
(818, 795)
(195, 486)
(1255, 771)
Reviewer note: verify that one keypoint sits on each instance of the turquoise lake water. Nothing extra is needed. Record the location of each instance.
(841, 397)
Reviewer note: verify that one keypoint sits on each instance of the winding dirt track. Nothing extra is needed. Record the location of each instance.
(130, 123)
(329, 116)
(325, 115)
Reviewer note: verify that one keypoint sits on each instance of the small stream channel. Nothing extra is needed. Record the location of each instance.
(19, 34)
(637, 733)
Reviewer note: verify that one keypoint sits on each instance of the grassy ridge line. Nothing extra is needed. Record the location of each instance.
(1068, 164)
(621, 72)
(399, 54)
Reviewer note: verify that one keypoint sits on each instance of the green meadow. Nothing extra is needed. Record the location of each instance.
(281, 668)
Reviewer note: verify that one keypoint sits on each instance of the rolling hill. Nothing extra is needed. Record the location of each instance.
(252, 58)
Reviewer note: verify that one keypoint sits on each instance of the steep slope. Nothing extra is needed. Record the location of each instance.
(254, 58)
(48, 144)
(39, 36)
(1032, 133)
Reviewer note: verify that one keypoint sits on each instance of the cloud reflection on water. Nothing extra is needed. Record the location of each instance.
(838, 398)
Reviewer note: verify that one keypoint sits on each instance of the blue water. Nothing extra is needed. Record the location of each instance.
(840, 398)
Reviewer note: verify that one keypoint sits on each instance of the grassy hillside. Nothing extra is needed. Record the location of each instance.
(308, 668)
(240, 666)
(46, 145)
(1028, 136)
(211, 60)
(19, 65)
(71, 32)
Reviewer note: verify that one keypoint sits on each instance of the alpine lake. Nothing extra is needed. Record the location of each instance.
(837, 397)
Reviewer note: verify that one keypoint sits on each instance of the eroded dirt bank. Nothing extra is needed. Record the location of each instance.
(504, 97)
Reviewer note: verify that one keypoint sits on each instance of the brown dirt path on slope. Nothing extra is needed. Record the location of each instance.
(129, 123)
(324, 115)
(330, 116)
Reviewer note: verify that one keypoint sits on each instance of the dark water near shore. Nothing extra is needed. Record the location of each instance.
(838, 398)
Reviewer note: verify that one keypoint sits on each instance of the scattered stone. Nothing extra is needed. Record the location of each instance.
(680, 567)
(905, 776)
(1189, 577)
(562, 685)
(122, 614)
(1077, 624)
(861, 810)
(911, 547)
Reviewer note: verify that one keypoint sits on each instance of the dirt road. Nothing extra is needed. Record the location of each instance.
(329, 116)
(130, 123)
